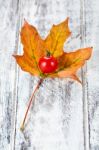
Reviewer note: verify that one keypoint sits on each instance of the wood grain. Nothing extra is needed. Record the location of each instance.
(8, 44)
(64, 115)
(92, 31)
(56, 119)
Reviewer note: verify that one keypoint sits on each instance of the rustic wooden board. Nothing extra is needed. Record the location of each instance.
(56, 120)
(8, 44)
(92, 32)
(60, 118)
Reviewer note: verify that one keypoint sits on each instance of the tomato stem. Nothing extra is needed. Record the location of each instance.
(30, 102)
(48, 53)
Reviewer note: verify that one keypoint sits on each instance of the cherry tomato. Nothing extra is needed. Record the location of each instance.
(48, 64)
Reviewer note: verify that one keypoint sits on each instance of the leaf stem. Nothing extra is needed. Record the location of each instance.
(30, 102)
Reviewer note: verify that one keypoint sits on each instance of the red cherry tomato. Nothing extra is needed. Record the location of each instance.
(48, 64)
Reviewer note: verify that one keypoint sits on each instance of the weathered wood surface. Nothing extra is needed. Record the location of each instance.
(92, 32)
(64, 115)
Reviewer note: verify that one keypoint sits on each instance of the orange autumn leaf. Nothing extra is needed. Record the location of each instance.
(32, 42)
(54, 42)
(72, 61)
(26, 64)
(35, 48)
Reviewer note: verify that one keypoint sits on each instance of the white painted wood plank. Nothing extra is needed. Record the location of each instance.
(92, 32)
(84, 81)
(56, 119)
(8, 44)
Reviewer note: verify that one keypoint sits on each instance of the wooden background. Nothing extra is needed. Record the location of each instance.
(65, 116)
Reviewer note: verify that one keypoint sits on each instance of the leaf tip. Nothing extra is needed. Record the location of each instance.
(90, 51)
(67, 18)
(75, 77)
(14, 55)
(25, 22)
(91, 48)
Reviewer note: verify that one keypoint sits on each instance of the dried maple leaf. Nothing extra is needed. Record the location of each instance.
(35, 47)
(69, 63)
(56, 38)
(46, 58)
